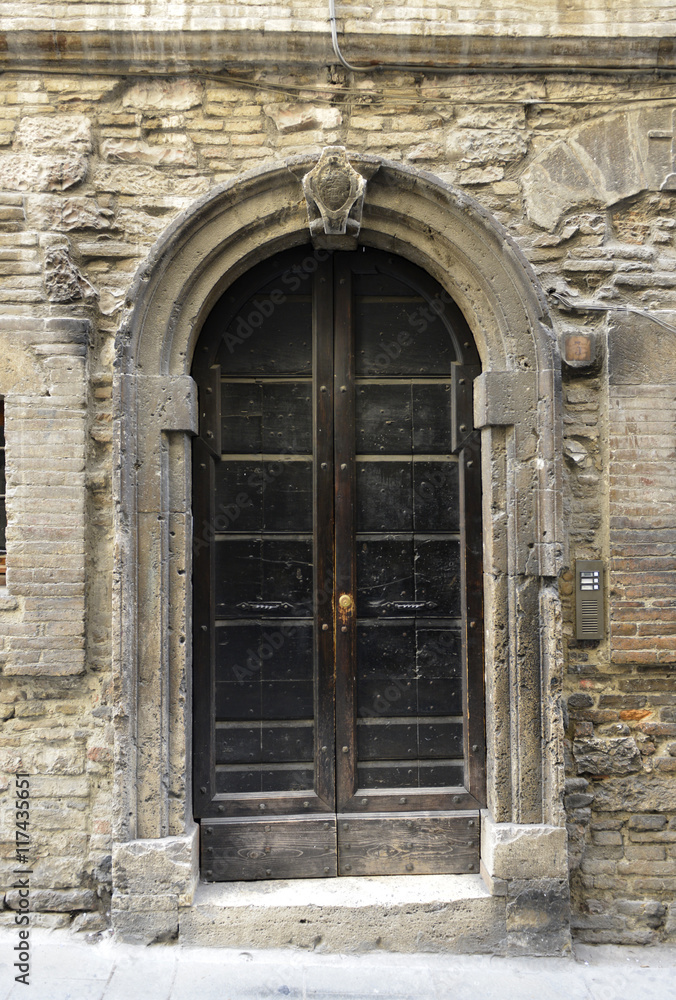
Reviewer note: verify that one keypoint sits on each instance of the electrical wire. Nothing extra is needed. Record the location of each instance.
(429, 68)
(568, 304)
(336, 47)
(337, 93)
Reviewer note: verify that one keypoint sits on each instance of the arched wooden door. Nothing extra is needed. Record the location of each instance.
(338, 657)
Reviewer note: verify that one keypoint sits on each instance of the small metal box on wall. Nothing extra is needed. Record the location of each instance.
(589, 599)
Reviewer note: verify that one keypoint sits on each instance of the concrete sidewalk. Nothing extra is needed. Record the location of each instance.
(64, 967)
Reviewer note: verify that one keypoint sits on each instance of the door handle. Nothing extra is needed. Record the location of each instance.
(264, 606)
(405, 606)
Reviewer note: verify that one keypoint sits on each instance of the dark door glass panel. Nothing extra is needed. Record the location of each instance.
(408, 697)
(437, 575)
(387, 740)
(256, 700)
(260, 495)
(268, 338)
(384, 496)
(383, 419)
(385, 649)
(431, 406)
(438, 651)
(266, 417)
(270, 650)
(252, 573)
(287, 699)
(436, 496)
(242, 417)
(390, 775)
(262, 779)
(384, 574)
(389, 649)
(287, 496)
(386, 343)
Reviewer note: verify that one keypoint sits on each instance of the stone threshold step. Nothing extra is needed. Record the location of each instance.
(444, 913)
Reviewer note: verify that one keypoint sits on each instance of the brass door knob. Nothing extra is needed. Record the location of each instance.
(345, 602)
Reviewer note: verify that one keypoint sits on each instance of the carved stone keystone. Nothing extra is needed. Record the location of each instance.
(334, 191)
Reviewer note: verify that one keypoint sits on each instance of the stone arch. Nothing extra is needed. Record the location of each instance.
(517, 404)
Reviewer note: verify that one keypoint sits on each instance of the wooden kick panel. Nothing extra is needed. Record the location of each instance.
(408, 844)
(270, 848)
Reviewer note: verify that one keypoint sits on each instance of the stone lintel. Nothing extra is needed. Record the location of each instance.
(181, 51)
(523, 850)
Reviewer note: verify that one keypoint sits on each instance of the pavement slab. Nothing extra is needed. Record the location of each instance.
(70, 967)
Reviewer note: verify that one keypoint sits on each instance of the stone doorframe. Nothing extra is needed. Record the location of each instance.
(517, 405)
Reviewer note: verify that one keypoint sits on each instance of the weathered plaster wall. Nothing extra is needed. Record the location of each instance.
(527, 17)
(94, 168)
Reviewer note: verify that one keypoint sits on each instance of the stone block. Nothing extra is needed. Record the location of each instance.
(166, 866)
(611, 756)
(163, 95)
(66, 214)
(90, 923)
(155, 924)
(138, 151)
(41, 173)
(553, 184)
(518, 850)
(647, 822)
(289, 118)
(500, 397)
(55, 900)
(537, 905)
(54, 133)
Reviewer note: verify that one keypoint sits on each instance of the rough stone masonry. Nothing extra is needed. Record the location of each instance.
(560, 121)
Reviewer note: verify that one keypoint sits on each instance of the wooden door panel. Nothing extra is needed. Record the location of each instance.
(391, 844)
(341, 618)
(270, 848)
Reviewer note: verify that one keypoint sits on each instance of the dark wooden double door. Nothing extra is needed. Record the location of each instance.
(338, 659)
